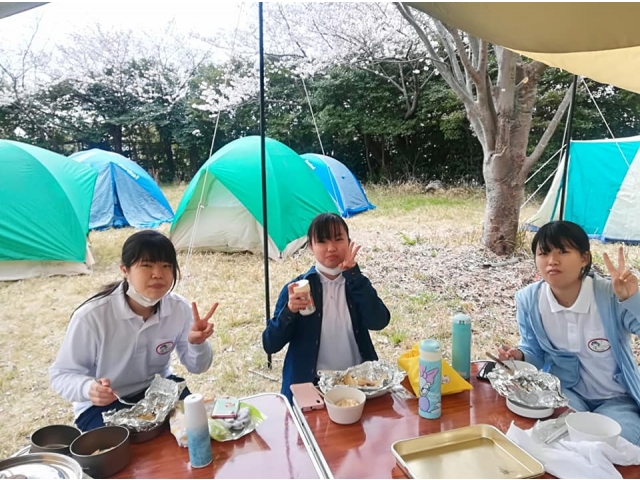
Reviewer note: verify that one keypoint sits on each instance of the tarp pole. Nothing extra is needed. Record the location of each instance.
(566, 146)
(265, 230)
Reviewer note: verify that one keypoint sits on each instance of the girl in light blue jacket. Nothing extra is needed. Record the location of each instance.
(578, 326)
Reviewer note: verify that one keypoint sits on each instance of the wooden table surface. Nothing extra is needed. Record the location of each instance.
(363, 450)
(274, 450)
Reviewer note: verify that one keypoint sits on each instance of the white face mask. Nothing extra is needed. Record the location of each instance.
(141, 299)
(326, 270)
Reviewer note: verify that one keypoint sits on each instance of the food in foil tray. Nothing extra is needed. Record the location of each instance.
(372, 378)
(530, 388)
(150, 412)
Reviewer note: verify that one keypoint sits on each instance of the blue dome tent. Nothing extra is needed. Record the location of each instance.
(342, 185)
(125, 194)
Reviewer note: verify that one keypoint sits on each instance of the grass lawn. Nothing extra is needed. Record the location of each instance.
(422, 252)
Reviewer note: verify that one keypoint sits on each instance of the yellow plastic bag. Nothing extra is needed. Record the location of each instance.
(452, 382)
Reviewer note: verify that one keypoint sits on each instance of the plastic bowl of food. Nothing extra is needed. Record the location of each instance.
(102, 452)
(593, 427)
(54, 439)
(345, 404)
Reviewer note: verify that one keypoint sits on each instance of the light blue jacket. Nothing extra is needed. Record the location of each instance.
(620, 320)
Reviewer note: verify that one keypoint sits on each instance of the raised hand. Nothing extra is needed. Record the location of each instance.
(100, 392)
(624, 283)
(202, 328)
(350, 259)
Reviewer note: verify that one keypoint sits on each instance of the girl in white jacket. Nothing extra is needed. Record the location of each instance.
(121, 337)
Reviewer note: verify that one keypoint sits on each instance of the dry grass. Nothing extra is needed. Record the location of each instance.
(421, 252)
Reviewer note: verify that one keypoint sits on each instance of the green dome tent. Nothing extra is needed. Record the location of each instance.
(46, 199)
(228, 188)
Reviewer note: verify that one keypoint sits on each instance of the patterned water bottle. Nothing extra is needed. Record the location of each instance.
(429, 402)
(461, 345)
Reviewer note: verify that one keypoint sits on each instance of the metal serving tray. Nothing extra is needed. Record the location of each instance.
(478, 451)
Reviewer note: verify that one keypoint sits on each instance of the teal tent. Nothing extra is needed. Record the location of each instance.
(46, 199)
(602, 192)
(221, 209)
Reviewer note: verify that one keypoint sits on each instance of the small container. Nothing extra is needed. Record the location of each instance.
(197, 427)
(345, 415)
(302, 286)
(461, 345)
(54, 439)
(430, 399)
(102, 452)
(593, 427)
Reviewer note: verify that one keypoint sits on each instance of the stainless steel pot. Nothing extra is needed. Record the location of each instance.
(40, 465)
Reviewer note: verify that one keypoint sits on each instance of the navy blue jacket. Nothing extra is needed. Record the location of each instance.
(302, 333)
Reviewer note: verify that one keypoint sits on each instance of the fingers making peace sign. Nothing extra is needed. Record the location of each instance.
(202, 328)
(350, 259)
(624, 283)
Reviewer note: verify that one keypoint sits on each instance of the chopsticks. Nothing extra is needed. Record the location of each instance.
(500, 362)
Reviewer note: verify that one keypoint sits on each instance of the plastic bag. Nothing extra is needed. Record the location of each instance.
(221, 430)
(226, 429)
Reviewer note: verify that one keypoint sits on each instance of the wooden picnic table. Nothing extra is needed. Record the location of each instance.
(363, 450)
(274, 450)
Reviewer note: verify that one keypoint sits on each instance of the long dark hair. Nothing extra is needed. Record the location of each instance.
(143, 246)
(326, 226)
(562, 234)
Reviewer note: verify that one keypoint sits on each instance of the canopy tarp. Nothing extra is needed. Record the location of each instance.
(597, 40)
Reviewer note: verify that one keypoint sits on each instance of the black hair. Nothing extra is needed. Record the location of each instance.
(563, 235)
(143, 246)
(326, 226)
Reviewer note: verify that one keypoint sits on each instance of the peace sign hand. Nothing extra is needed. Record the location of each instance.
(350, 259)
(202, 328)
(624, 283)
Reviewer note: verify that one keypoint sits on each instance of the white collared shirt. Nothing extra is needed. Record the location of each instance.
(106, 339)
(338, 347)
(578, 329)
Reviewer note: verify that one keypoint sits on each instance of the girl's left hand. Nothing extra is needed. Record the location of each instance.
(350, 259)
(624, 283)
(202, 328)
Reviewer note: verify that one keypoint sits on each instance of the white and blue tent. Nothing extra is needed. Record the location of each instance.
(125, 194)
(342, 185)
(602, 194)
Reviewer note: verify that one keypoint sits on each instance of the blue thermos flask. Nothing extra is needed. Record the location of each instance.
(429, 401)
(461, 345)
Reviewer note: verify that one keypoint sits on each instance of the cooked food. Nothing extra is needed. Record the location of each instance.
(102, 450)
(148, 416)
(347, 402)
(352, 381)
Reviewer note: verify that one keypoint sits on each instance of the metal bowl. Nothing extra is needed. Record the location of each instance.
(114, 439)
(54, 439)
(40, 465)
(141, 437)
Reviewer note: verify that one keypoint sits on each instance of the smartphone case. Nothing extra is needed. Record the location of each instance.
(307, 397)
(225, 408)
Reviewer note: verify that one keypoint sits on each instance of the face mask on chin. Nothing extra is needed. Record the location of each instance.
(141, 299)
(328, 271)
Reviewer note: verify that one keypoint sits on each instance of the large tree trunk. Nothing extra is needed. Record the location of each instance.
(504, 192)
(500, 115)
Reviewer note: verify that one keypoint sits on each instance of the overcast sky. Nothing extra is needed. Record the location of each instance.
(58, 19)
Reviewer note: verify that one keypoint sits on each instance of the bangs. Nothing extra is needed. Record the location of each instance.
(327, 226)
(562, 235)
(153, 250)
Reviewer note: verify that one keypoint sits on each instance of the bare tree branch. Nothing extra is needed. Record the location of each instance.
(442, 67)
(548, 133)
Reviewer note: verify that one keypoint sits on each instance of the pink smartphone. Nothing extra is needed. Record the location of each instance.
(307, 397)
